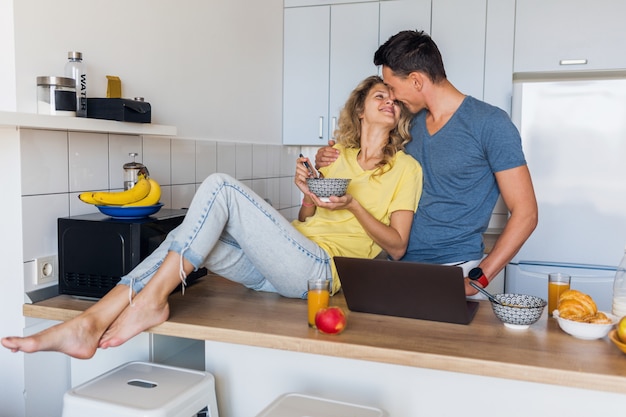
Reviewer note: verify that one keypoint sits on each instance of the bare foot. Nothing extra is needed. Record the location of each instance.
(136, 318)
(77, 338)
(149, 307)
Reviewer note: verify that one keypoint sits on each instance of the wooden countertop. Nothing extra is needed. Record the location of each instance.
(219, 310)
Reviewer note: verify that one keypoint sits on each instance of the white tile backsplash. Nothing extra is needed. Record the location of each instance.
(78, 208)
(274, 153)
(89, 161)
(288, 157)
(52, 160)
(120, 148)
(206, 159)
(243, 161)
(285, 196)
(44, 166)
(39, 223)
(182, 195)
(183, 161)
(273, 191)
(157, 158)
(260, 161)
(226, 158)
(166, 196)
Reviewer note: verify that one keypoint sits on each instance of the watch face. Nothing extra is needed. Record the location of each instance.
(475, 273)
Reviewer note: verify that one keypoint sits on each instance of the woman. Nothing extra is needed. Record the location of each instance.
(236, 234)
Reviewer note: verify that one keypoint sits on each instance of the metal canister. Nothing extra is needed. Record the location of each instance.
(56, 95)
(132, 171)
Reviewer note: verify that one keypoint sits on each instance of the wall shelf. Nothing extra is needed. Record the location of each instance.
(80, 124)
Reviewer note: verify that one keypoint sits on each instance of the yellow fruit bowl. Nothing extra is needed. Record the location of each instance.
(615, 339)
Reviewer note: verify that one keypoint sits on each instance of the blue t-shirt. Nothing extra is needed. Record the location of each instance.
(460, 189)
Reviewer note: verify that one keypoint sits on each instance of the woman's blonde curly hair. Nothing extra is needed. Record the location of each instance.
(348, 131)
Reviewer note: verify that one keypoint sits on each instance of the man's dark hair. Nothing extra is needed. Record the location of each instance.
(409, 51)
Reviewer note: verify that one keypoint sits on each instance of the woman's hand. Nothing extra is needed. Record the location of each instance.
(336, 203)
(302, 173)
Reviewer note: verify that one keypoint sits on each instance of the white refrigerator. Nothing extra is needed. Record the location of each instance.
(573, 129)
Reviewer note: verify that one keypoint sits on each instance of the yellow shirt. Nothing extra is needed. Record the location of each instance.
(338, 232)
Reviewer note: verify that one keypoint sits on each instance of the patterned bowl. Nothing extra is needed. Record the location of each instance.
(518, 317)
(325, 187)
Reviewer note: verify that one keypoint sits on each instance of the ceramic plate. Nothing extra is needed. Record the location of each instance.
(132, 212)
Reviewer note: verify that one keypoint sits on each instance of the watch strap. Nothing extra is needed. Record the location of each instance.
(483, 281)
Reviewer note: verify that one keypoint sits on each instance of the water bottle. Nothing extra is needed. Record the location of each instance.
(75, 68)
(619, 289)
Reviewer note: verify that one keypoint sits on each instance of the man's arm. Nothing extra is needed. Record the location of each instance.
(518, 194)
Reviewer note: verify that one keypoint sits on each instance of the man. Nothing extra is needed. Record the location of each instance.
(470, 154)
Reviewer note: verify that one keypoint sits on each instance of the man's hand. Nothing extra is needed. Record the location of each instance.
(469, 290)
(326, 155)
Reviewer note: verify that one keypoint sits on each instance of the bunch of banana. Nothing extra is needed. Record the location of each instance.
(146, 192)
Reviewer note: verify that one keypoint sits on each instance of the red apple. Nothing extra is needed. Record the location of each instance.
(330, 320)
(621, 329)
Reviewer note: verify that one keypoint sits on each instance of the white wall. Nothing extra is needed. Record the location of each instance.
(211, 68)
(7, 51)
(11, 284)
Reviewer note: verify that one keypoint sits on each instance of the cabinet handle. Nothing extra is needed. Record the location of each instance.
(321, 132)
(334, 126)
(573, 62)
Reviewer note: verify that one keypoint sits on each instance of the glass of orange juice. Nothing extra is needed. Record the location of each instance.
(558, 283)
(317, 297)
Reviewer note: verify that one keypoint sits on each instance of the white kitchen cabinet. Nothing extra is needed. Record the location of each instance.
(327, 51)
(475, 38)
(566, 35)
(397, 15)
(498, 88)
(353, 41)
(300, 3)
(459, 29)
(329, 48)
(305, 84)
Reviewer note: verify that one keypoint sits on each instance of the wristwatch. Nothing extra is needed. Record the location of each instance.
(476, 274)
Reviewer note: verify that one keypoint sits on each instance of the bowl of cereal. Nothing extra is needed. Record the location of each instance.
(323, 188)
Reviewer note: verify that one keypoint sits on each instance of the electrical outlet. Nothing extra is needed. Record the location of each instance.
(46, 269)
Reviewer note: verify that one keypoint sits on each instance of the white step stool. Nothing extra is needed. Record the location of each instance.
(299, 405)
(142, 389)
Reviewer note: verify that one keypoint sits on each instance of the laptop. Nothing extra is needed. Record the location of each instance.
(405, 289)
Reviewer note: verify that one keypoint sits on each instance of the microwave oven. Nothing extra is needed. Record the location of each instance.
(96, 250)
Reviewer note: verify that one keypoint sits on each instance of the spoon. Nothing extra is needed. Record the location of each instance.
(311, 170)
(492, 298)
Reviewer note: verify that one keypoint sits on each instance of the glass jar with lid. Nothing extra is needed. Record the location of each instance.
(132, 171)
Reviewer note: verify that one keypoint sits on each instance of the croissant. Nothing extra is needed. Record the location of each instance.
(600, 318)
(575, 305)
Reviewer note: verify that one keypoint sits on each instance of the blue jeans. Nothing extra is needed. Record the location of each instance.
(234, 233)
